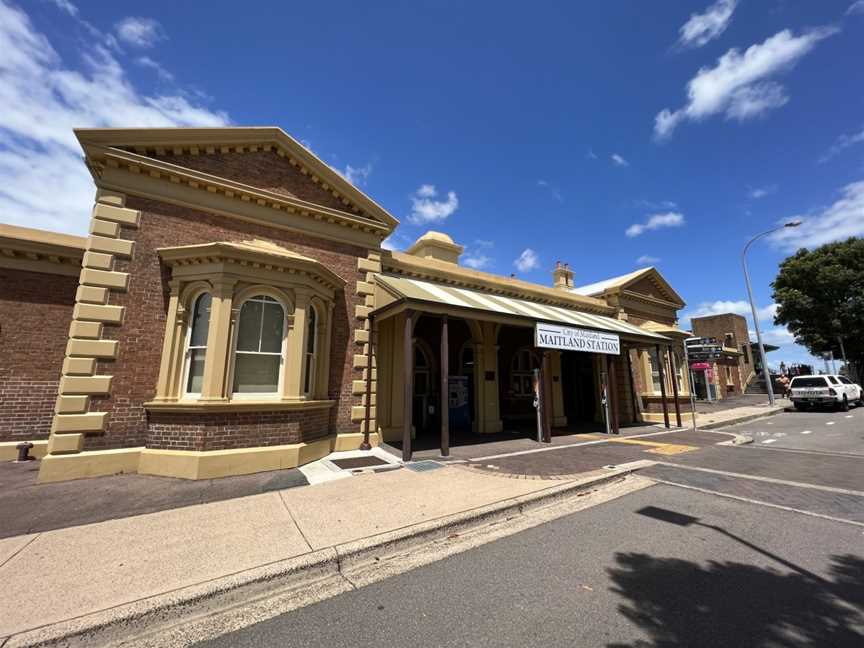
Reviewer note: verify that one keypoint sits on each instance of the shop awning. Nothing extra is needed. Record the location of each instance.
(394, 292)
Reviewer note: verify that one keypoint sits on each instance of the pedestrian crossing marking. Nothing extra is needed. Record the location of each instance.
(671, 449)
(656, 447)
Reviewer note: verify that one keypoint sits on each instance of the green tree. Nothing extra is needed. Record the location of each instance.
(820, 295)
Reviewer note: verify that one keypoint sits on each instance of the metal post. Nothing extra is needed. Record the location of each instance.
(604, 392)
(546, 377)
(613, 396)
(662, 387)
(671, 355)
(692, 394)
(366, 445)
(408, 413)
(765, 371)
(445, 389)
(538, 405)
(849, 372)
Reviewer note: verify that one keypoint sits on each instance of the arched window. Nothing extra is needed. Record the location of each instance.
(196, 344)
(522, 367)
(260, 346)
(311, 351)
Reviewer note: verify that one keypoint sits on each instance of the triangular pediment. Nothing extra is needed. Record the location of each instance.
(267, 159)
(650, 283)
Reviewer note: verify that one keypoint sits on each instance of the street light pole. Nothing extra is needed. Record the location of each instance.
(765, 371)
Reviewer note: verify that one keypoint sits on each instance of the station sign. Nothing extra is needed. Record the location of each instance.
(569, 338)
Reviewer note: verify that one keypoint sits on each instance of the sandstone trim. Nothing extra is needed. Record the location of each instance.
(72, 420)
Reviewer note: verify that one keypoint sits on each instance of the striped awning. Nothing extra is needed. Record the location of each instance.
(403, 289)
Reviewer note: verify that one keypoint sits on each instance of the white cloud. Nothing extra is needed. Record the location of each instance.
(396, 241)
(617, 160)
(739, 307)
(426, 209)
(837, 222)
(738, 85)
(556, 194)
(856, 7)
(43, 99)
(65, 5)
(476, 255)
(761, 192)
(140, 32)
(777, 336)
(656, 205)
(842, 143)
(357, 176)
(647, 259)
(656, 221)
(161, 72)
(591, 155)
(527, 261)
(702, 28)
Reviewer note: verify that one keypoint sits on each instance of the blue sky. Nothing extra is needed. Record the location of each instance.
(607, 135)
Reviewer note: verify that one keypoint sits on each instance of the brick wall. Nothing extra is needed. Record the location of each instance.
(173, 431)
(136, 368)
(262, 169)
(35, 312)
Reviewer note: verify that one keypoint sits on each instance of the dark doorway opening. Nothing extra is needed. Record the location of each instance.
(578, 387)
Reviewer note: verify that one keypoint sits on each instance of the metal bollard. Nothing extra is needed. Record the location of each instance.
(24, 452)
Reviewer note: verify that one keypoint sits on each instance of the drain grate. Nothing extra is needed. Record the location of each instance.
(423, 466)
(351, 463)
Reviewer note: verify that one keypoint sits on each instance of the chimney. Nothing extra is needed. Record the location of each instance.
(562, 276)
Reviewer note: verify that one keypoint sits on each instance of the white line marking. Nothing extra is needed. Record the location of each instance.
(769, 440)
(806, 432)
(753, 501)
(595, 442)
(848, 416)
(770, 480)
(830, 423)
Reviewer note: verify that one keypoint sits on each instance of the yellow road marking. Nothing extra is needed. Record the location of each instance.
(656, 447)
(671, 449)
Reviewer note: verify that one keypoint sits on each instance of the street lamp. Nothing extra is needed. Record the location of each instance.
(765, 370)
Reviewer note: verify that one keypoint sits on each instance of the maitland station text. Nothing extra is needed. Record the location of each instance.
(568, 338)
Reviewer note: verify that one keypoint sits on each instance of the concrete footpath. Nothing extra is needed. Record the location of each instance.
(78, 582)
(710, 420)
(65, 582)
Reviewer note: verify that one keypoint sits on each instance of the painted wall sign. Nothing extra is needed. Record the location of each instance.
(568, 338)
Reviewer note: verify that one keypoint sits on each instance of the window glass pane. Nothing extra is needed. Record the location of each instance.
(196, 371)
(256, 373)
(307, 380)
(310, 332)
(845, 380)
(419, 358)
(200, 321)
(271, 332)
(249, 327)
(832, 379)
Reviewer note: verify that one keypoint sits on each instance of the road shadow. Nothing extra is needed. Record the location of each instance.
(682, 603)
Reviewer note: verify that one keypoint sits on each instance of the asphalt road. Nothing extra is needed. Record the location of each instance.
(662, 567)
(757, 545)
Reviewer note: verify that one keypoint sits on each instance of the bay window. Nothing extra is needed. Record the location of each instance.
(247, 323)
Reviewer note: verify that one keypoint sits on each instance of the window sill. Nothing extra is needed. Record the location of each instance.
(209, 407)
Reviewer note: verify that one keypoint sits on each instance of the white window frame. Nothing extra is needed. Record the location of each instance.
(187, 349)
(280, 387)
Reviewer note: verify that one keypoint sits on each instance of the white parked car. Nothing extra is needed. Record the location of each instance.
(835, 391)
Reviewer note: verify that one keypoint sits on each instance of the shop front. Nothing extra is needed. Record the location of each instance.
(442, 347)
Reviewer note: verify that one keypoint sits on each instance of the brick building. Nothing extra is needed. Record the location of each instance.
(234, 312)
(734, 370)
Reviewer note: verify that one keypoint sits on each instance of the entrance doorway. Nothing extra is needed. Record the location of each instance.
(578, 387)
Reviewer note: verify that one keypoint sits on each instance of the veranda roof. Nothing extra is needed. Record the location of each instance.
(404, 291)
